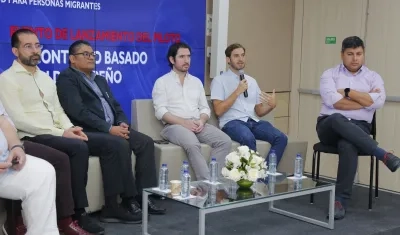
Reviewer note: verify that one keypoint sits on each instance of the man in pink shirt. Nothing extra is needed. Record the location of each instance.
(350, 95)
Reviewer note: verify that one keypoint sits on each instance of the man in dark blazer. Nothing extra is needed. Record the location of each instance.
(89, 103)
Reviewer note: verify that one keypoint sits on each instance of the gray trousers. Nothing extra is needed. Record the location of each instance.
(219, 141)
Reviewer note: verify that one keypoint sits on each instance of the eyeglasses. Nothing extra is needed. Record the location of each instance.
(87, 54)
(30, 47)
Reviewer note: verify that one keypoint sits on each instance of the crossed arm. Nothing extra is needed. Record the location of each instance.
(336, 99)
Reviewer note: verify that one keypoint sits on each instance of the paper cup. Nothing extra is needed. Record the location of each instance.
(175, 187)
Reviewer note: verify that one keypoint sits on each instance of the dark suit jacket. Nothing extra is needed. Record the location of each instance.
(81, 103)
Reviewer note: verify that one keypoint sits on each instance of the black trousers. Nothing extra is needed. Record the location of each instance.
(120, 179)
(60, 162)
(351, 137)
(115, 160)
(78, 154)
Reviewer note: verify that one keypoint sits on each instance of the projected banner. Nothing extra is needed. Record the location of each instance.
(131, 37)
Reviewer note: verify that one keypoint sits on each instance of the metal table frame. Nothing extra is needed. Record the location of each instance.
(270, 199)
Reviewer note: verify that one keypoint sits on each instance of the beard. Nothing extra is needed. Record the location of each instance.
(237, 66)
(182, 69)
(32, 60)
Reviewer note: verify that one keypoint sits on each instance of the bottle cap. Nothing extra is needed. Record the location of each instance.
(213, 159)
(164, 164)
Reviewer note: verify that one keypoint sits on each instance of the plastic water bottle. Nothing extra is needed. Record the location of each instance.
(163, 178)
(272, 162)
(271, 184)
(298, 166)
(185, 185)
(185, 166)
(213, 170)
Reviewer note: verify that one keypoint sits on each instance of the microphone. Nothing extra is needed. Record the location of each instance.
(241, 76)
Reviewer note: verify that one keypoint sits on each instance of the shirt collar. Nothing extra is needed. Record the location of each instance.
(231, 73)
(176, 76)
(344, 69)
(92, 74)
(20, 69)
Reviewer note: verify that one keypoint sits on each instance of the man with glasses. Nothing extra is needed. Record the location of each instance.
(29, 96)
(88, 101)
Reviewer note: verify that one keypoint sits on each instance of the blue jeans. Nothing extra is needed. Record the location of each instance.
(246, 133)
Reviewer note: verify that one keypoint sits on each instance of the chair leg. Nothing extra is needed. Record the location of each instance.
(371, 182)
(318, 159)
(11, 208)
(376, 177)
(313, 175)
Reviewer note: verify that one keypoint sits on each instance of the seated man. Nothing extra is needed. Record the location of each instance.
(351, 93)
(64, 199)
(239, 102)
(180, 103)
(29, 96)
(29, 179)
(88, 101)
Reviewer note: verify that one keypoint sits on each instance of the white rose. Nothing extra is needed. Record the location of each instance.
(234, 175)
(225, 172)
(244, 152)
(258, 159)
(234, 159)
(262, 174)
(253, 175)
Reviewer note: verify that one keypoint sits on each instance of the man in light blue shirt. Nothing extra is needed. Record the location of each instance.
(239, 103)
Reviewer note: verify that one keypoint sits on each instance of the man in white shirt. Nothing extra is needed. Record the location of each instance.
(180, 103)
(29, 179)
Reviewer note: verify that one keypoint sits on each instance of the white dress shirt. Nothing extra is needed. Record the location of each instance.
(186, 101)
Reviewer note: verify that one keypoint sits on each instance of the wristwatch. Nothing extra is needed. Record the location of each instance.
(346, 92)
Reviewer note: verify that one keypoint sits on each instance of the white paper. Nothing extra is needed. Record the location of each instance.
(295, 178)
(209, 182)
(277, 173)
(179, 197)
(163, 191)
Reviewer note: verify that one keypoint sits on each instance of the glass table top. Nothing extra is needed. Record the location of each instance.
(206, 195)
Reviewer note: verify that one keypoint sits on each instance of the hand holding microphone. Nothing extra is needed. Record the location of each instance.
(242, 88)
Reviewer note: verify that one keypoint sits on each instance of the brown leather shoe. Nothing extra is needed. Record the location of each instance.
(68, 227)
(20, 228)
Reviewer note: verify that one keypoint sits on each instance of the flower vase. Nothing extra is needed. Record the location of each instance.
(244, 184)
(244, 193)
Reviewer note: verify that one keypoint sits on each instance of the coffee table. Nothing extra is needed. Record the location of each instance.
(226, 195)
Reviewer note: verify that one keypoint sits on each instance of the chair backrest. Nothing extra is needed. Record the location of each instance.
(143, 118)
(373, 128)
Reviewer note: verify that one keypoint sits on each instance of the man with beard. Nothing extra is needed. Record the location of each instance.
(30, 98)
(180, 103)
(88, 101)
(239, 102)
(351, 93)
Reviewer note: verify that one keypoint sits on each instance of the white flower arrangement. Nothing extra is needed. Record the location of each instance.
(244, 164)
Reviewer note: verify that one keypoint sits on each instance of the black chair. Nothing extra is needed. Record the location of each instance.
(320, 148)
